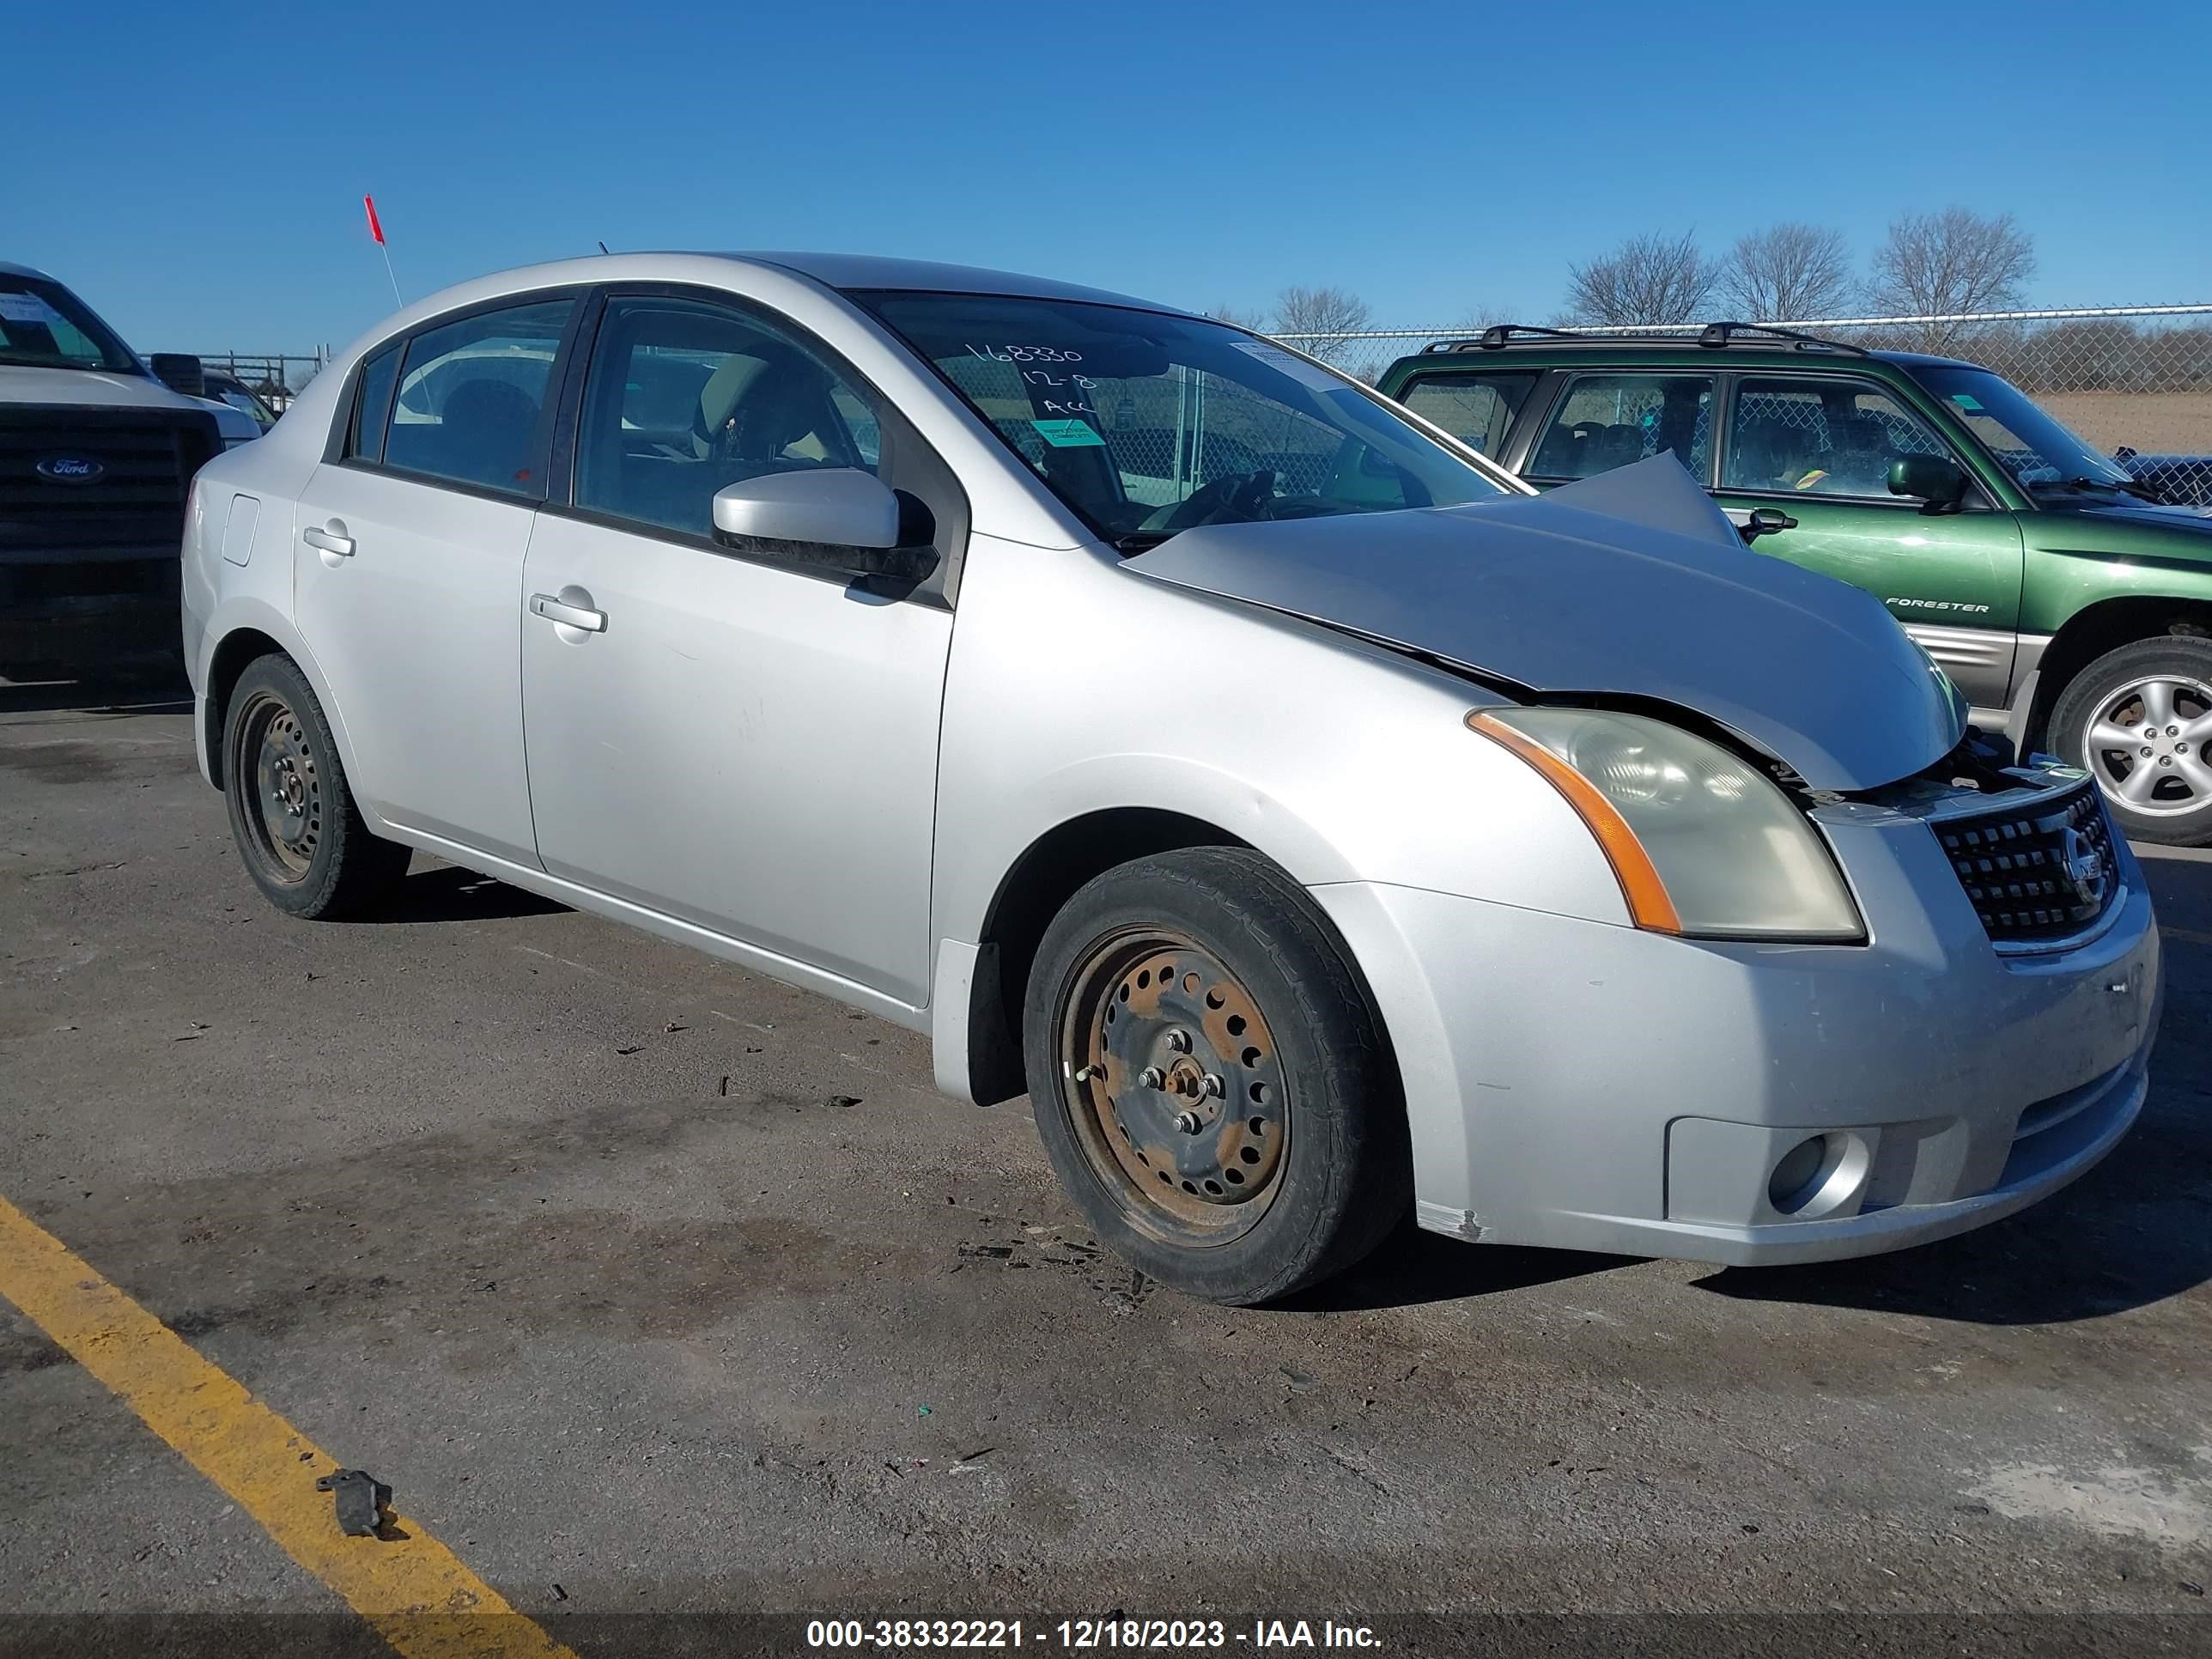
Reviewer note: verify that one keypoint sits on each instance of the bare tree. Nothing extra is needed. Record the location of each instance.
(1320, 311)
(1647, 279)
(1788, 273)
(1943, 264)
(1239, 317)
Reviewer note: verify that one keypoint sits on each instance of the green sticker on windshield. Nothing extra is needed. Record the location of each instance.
(1967, 401)
(1068, 434)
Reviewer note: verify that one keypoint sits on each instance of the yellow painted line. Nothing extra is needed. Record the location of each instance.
(414, 1590)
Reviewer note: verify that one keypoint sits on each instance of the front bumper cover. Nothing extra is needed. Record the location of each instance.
(1588, 1086)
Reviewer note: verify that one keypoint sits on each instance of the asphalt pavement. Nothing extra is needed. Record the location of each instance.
(654, 1288)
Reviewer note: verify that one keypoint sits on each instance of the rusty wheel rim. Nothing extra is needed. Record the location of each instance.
(1174, 1087)
(284, 812)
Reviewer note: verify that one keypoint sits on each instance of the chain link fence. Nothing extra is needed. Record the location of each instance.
(2136, 381)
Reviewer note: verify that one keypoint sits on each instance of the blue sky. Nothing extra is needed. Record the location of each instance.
(196, 172)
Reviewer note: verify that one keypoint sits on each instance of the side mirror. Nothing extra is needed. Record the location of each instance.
(1765, 521)
(836, 519)
(1931, 478)
(181, 371)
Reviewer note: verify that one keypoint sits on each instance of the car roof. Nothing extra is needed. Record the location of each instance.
(865, 270)
(8, 268)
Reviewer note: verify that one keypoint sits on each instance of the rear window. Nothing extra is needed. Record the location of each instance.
(1478, 410)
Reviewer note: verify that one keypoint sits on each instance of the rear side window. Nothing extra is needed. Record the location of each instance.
(365, 433)
(1608, 421)
(471, 399)
(1478, 410)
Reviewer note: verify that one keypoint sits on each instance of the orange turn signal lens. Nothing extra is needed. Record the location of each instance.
(1649, 906)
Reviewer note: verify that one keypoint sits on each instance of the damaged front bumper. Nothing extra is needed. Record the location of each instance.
(1589, 1086)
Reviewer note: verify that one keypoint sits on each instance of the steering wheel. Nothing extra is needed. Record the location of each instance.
(1232, 498)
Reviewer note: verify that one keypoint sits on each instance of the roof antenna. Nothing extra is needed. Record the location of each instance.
(602, 247)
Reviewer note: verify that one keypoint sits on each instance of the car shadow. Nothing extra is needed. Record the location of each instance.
(107, 694)
(1413, 1266)
(446, 893)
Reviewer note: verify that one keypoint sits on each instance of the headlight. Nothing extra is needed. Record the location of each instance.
(1702, 841)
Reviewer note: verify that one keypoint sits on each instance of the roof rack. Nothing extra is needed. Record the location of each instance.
(1712, 336)
(1719, 334)
(1499, 334)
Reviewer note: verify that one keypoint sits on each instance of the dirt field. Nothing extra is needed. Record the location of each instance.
(2155, 422)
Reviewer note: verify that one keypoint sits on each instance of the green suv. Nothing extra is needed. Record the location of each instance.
(2071, 607)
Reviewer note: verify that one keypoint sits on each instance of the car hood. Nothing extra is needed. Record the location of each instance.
(2192, 524)
(98, 387)
(1560, 600)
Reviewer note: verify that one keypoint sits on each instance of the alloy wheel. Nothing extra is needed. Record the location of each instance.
(2145, 742)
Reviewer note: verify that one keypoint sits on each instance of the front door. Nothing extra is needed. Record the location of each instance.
(1818, 447)
(409, 572)
(736, 743)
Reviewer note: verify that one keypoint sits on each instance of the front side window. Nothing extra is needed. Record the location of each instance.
(472, 396)
(1478, 410)
(1820, 437)
(1145, 424)
(43, 326)
(1607, 420)
(2028, 442)
(685, 398)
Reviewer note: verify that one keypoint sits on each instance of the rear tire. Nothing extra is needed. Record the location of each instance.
(2153, 695)
(299, 833)
(1239, 1133)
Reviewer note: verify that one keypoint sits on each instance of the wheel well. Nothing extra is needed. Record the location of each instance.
(237, 650)
(1043, 879)
(2094, 629)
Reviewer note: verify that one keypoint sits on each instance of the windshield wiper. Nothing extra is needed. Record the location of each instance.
(1140, 541)
(2135, 487)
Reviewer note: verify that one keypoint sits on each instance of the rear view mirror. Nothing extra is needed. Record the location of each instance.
(838, 519)
(181, 371)
(1931, 478)
(1766, 521)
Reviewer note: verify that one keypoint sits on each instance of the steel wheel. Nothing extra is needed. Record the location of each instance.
(1180, 1103)
(284, 814)
(2145, 742)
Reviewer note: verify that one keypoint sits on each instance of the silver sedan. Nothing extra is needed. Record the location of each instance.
(1319, 826)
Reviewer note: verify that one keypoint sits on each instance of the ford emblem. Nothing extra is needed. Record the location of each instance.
(70, 469)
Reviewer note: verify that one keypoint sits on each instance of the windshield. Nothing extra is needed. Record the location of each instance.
(2026, 441)
(1146, 424)
(43, 325)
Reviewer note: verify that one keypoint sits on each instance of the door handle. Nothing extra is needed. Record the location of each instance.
(324, 542)
(568, 616)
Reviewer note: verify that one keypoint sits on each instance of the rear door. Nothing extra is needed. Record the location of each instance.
(407, 578)
(1819, 446)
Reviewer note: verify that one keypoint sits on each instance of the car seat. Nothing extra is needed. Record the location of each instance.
(488, 426)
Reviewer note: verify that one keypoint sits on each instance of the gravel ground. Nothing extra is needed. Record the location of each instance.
(561, 1232)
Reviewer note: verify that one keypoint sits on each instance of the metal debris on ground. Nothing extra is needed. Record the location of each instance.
(364, 1503)
(844, 1100)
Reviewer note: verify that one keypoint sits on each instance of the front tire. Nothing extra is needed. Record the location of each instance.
(2138, 720)
(299, 833)
(1211, 1079)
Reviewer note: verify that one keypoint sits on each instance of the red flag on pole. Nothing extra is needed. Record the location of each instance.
(374, 228)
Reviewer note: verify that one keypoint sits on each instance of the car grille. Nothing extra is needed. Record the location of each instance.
(2037, 875)
(145, 462)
